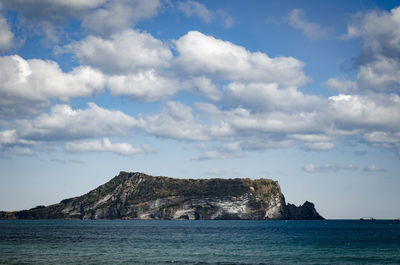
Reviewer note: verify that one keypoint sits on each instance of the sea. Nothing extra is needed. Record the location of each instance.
(199, 242)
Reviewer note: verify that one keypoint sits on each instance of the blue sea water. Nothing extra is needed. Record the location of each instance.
(199, 242)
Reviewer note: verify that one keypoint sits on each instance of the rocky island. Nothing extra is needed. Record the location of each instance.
(140, 196)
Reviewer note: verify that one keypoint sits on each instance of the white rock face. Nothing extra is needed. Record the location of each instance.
(273, 212)
(238, 207)
(221, 207)
(185, 214)
(179, 207)
(102, 200)
(176, 208)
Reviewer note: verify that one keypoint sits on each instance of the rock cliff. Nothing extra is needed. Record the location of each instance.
(140, 196)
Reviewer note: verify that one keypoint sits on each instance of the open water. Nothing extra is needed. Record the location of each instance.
(199, 242)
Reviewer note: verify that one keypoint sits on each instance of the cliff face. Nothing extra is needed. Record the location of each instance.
(140, 196)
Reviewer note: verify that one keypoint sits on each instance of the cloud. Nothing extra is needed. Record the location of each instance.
(341, 85)
(226, 19)
(360, 152)
(271, 122)
(57, 160)
(382, 74)
(144, 86)
(75, 161)
(352, 112)
(312, 168)
(64, 123)
(223, 151)
(373, 168)
(46, 17)
(215, 172)
(119, 15)
(6, 35)
(379, 62)
(176, 121)
(8, 137)
(51, 9)
(314, 128)
(143, 68)
(196, 9)
(106, 146)
(122, 53)
(260, 104)
(314, 141)
(379, 31)
(206, 88)
(213, 154)
(371, 110)
(10, 142)
(311, 138)
(263, 128)
(26, 86)
(312, 30)
(389, 140)
(204, 55)
(269, 97)
(319, 146)
(62, 161)
(135, 64)
(24, 151)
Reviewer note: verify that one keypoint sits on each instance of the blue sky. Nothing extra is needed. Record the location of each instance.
(303, 92)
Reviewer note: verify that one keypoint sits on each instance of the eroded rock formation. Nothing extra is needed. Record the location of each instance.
(140, 196)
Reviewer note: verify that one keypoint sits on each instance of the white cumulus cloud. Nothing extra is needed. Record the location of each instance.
(365, 112)
(195, 9)
(123, 52)
(379, 61)
(373, 168)
(118, 15)
(27, 85)
(105, 146)
(201, 54)
(206, 88)
(176, 121)
(382, 74)
(51, 9)
(379, 31)
(312, 30)
(268, 96)
(223, 151)
(389, 140)
(6, 35)
(144, 85)
(47, 17)
(65, 123)
(326, 168)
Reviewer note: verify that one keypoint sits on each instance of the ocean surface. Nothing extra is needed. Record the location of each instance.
(199, 242)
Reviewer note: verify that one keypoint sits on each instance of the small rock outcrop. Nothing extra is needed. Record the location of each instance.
(140, 196)
(304, 212)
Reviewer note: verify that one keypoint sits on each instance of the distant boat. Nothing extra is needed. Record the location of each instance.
(398, 219)
(367, 219)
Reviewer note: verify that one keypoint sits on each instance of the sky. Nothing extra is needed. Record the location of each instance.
(303, 92)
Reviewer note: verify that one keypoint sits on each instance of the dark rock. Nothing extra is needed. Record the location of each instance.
(140, 196)
(305, 212)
